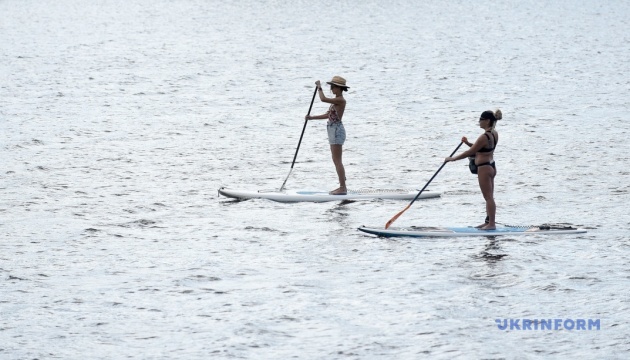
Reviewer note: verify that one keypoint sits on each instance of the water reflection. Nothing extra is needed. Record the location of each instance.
(490, 252)
(339, 213)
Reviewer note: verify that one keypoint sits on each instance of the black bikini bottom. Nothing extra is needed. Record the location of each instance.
(489, 163)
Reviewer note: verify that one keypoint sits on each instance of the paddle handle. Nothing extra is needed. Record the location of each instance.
(300, 142)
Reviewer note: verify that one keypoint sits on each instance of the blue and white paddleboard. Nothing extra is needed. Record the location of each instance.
(323, 196)
(415, 231)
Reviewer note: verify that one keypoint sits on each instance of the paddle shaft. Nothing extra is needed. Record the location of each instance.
(300, 142)
(434, 175)
(425, 186)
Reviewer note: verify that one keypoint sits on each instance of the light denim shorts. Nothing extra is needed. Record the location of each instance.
(336, 133)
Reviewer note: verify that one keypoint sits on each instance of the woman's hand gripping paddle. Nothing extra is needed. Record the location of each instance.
(300, 142)
(391, 221)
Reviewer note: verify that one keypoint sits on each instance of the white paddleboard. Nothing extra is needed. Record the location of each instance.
(414, 231)
(323, 196)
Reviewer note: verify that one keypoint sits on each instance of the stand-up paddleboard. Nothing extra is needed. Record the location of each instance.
(323, 196)
(414, 231)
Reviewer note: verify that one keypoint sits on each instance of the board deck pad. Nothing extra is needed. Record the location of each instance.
(323, 196)
(422, 231)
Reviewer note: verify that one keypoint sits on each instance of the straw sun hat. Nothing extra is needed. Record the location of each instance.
(339, 81)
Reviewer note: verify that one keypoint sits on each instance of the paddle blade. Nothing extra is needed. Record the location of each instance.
(391, 221)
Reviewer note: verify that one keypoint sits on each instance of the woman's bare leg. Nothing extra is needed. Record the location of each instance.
(336, 151)
(486, 176)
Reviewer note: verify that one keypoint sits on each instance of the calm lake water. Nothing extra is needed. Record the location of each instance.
(121, 119)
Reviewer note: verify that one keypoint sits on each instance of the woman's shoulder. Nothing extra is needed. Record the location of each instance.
(338, 102)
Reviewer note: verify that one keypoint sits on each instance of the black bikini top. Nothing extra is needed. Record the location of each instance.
(485, 149)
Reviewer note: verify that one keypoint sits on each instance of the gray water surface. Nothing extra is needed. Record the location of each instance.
(121, 119)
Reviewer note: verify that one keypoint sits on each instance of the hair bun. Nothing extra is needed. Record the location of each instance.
(498, 114)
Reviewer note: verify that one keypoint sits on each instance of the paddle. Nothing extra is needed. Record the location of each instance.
(300, 142)
(391, 221)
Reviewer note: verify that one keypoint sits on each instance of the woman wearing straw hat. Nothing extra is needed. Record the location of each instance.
(483, 163)
(336, 131)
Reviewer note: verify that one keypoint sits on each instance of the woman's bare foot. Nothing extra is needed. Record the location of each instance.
(339, 191)
(484, 224)
(488, 227)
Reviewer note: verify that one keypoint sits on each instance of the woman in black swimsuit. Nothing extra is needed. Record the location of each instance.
(482, 150)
